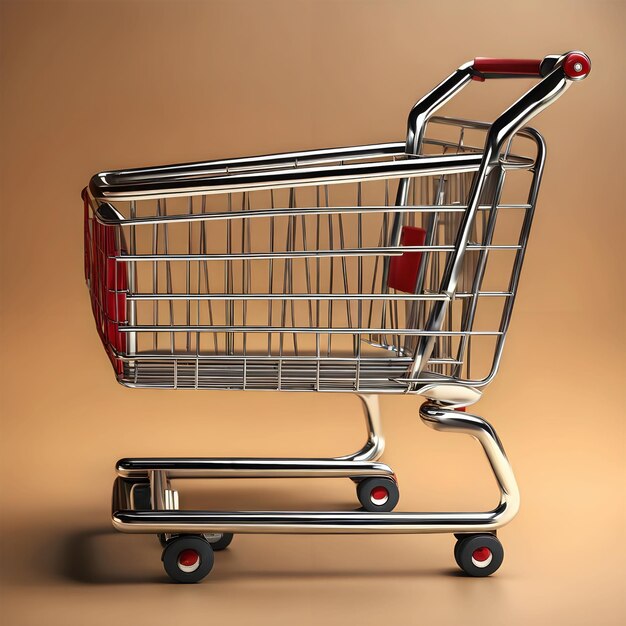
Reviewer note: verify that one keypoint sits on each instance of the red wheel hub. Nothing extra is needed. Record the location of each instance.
(378, 494)
(188, 559)
(481, 554)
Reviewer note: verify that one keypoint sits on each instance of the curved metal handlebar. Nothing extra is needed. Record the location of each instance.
(571, 66)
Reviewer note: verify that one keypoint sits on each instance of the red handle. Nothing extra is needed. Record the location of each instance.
(507, 67)
(576, 65)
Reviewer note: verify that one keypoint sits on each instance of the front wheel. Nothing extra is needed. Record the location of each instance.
(479, 555)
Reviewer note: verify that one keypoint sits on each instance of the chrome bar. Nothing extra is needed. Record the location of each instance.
(107, 218)
(303, 254)
(351, 522)
(312, 296)
(304, 329)
(102, 189)
(236, 467)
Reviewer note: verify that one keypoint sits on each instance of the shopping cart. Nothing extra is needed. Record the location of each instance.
(387, 268)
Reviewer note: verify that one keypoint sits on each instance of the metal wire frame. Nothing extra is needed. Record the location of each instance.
(190, 281)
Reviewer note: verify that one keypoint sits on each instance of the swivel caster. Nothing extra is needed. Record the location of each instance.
(479, 555)
(378, 494)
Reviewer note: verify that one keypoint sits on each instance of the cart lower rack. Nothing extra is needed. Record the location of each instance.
(386, 268)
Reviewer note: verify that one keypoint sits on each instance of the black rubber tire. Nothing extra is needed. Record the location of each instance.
(141, 497)
(221, 543)
(364, 491)
(179, 544)
(464, 549)
(457, 549)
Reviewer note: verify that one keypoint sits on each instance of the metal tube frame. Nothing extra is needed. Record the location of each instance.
(432, 414)
(282, 171)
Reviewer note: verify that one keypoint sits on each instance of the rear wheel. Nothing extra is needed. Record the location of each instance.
(187, 558)
(219, 541)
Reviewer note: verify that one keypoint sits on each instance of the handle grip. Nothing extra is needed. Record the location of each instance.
(501, 68)
(576, 66)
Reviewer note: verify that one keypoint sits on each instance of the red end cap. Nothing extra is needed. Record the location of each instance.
(576, 65)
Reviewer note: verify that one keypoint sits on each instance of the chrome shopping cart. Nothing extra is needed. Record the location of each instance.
(387, 268)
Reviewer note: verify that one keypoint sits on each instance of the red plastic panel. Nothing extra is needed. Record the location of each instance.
(403, 269)
(108, 283)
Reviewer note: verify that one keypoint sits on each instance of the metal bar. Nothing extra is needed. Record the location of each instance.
(289, 211)
(302, 329)
(102, 189)
(225, 467)
(303, 254)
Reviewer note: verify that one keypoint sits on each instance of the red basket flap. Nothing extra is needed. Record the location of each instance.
(403, 269)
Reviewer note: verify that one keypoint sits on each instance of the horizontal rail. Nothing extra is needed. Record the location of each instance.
(268, 160)
(252, 361)
(303, 254)
(293, 211)
(308, 522)
(306, 296)
(102, 189)
(303, 329)
(234, 467)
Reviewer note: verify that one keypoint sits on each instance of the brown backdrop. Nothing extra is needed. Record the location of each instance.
(89, 86)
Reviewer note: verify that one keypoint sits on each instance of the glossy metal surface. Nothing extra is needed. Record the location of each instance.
(302, 299)
(360, 464)
(346, 522)
(165, 323)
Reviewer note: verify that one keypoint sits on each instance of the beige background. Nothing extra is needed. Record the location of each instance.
(89, 86)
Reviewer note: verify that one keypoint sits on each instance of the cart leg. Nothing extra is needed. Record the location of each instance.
(375, 444)
(479, 554)
(450, 420)
(376, 493)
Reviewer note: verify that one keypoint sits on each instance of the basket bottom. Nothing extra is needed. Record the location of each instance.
(263, 374)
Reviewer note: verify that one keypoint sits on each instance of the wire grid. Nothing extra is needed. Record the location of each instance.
(288, 289)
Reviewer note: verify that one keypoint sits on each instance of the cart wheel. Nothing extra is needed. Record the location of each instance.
(378, 494)
(141, 497)
(479, 555)
(187, 558)
(219, 541)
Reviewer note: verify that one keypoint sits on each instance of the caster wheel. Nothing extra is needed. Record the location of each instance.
(187, 558)
(378, 494)
(141, 497)
(479, 555)
(219, 541)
